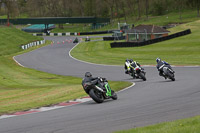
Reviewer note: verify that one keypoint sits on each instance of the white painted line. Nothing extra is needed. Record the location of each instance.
(6, 116)
(82, 100)
(127, 87)
(115, 65)
(17, 62)
(49, 108)
(88, 62)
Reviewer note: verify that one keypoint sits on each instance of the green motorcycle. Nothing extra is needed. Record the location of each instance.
(101, 91)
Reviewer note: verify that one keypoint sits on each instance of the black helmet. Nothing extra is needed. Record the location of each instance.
(127, 60)
(131, 60)
(88, 74)
(158, 60)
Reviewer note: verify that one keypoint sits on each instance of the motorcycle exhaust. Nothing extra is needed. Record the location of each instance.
(171, 70)
(98, 88)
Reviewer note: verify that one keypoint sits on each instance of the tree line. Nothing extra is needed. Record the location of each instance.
(114, 9)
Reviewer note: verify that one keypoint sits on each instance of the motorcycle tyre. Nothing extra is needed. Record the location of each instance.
(114, 96)
(95, 97)
(171, 76)
(142, 76)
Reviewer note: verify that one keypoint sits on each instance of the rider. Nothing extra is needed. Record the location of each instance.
(88, 78)
(130, 65)
(127, 66)
(159, 64)
(134, 64)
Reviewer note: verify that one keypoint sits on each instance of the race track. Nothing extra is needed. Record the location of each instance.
(156, 100)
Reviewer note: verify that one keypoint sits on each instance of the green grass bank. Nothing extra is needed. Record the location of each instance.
(190, 125)
(179, 51)
(24, 88)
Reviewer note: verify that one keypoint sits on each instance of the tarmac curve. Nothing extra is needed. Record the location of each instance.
(153, 101)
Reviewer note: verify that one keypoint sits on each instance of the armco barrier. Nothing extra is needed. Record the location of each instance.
(138, 44)
(32, 44)
(53, 34)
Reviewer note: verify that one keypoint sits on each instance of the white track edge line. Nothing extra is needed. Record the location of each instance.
(86, 61)
(17, 62)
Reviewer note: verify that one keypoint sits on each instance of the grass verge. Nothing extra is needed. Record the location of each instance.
(190, 125)
(24, 88)
(180, 51)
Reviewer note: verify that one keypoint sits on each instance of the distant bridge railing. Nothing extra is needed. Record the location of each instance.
(56, 20)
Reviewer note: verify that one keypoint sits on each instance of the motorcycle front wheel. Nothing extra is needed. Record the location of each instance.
(142, 76)
(96, 96)
(114, 95)
(171, 76)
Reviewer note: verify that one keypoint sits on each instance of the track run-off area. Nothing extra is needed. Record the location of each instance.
(153, 101)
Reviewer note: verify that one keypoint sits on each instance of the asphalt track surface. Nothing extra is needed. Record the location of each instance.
(153, 101)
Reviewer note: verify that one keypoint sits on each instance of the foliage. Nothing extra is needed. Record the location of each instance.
(114, 9)
(158, 8)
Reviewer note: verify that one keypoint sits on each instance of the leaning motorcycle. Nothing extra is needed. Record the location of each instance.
(167, 72)
(138, 73)
(101, 91)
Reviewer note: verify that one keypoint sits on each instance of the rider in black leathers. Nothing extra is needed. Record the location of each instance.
(88, 78)
(159, 64)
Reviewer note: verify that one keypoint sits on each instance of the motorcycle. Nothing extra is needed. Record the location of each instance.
(168, 72)
(101, 91)
(138, 73)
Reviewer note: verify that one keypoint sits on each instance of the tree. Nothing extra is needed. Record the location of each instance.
(11, 7)
(110, 3)
(22, 6)
(117, 10)
(81, 7)
(179, 4)
(139, 9)
(198, 7)
(124, 10)
(147, 7)
(196, 4)
(89, 8)
(131, 6)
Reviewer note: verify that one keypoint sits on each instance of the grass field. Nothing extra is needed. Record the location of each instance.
(190, 125)
(24, 88)
(180, 51)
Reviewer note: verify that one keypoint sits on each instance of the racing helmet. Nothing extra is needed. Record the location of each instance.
(131, 60)
(158, 60)
(127, 60)
(88, 74)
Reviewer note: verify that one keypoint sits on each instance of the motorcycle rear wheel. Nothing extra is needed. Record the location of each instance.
(96, 96)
